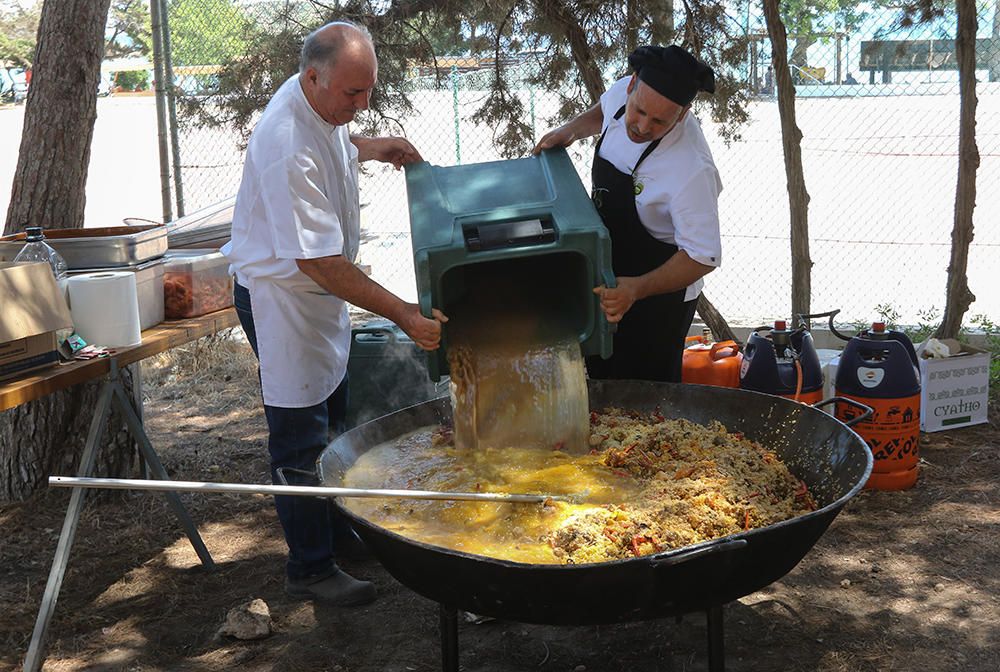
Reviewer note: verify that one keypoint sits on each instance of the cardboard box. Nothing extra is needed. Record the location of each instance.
(32, 308)
(954, 390)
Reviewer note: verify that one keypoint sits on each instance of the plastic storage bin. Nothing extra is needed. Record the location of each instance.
(530, 220)
(196, 282)
(148, 289)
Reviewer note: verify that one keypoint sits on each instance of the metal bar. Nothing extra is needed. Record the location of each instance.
(168, 71)
(304, 490)
(716, 640)
(449, 639)
(161, 113)
(33, 659)
(154, 464)
(454, 100)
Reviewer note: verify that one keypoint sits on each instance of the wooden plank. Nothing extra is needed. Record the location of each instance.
(155, 340)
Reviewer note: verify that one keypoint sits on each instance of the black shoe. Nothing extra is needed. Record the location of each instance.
(351, 547)
(337, 588)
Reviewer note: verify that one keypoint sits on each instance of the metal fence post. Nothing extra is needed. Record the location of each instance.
(454, 100)
(175, 146)
(161, 113)
(531, 105)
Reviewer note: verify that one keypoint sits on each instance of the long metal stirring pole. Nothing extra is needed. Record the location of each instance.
(303, 490)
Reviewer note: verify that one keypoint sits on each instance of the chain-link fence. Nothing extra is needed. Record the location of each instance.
(878, 106)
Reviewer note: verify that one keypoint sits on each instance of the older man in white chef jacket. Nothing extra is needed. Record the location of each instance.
(295, 236)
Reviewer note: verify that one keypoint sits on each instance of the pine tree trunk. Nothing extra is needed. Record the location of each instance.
(662, 24)
(46, 436)
(714, 320)
(51, 175)
(558, 12)
(791, 141)
(960, 297)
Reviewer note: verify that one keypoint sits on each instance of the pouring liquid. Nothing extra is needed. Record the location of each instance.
(517, 380)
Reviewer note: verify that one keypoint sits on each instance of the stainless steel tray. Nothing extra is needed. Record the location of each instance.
(107, 247)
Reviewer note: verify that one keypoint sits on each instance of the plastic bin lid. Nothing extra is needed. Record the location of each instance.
(196, 259)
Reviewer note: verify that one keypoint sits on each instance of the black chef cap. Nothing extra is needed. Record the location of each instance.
(672, 72)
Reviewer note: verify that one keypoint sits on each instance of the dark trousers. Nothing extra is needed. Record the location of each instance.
(296, 437)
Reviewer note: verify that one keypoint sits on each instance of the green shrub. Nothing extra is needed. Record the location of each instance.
(133, 80)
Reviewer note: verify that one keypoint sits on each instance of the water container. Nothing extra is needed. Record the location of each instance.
(879, 369)
(783, 363)
(709, 363)
(36, 249)
(387, 371)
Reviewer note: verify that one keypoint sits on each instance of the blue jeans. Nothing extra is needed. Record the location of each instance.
(296, 437)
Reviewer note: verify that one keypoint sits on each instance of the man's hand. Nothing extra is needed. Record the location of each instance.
(583, 125)
(426, 333)
(560, 137)
(395, 150)
(617, 301)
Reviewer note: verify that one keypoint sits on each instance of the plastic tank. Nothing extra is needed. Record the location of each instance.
(387, 372)
(706, 362)
(524, 227)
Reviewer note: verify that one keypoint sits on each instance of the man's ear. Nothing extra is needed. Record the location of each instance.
(684, 112)
(631, 84)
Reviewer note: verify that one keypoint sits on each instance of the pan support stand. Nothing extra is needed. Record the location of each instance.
(714, 627)
(112, 394)
(716, 640)
(449, 639)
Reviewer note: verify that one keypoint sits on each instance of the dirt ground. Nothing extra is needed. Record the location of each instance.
(901, 581)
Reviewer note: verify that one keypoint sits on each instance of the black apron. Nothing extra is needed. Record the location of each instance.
(649, 343)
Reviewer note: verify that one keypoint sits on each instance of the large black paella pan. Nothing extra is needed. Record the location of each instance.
(832, 460)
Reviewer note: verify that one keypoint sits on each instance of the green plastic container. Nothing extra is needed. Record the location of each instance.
(387, 372)
(529, 219)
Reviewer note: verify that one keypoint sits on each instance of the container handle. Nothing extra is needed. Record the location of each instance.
(609, 281)
(731, 349)
(376, 331)
(866, 411)
(719, 547)
(302, 477)
(831, 314)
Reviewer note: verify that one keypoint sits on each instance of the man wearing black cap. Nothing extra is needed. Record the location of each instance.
(656, 187)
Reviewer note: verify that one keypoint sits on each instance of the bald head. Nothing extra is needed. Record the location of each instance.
(324, 46)
(338, 71)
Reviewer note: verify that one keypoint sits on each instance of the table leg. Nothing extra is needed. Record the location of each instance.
(33, 660)
(156, 467)
(112, 392)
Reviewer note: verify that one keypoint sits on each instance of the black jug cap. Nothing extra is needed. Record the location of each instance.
(33, 234)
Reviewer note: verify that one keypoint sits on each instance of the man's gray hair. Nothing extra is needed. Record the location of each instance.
(321, 51)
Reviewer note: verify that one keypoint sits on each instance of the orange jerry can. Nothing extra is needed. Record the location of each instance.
(707, 363)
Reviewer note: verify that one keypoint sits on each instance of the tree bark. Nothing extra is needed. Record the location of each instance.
(576, 36)
(791, 142)
(714, 320)
(800, 52)
(51, 174)
(46, 436)
(662, 20)
(959, 296)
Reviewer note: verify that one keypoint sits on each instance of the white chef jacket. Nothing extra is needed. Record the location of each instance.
(298, 199)
(679, 201)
